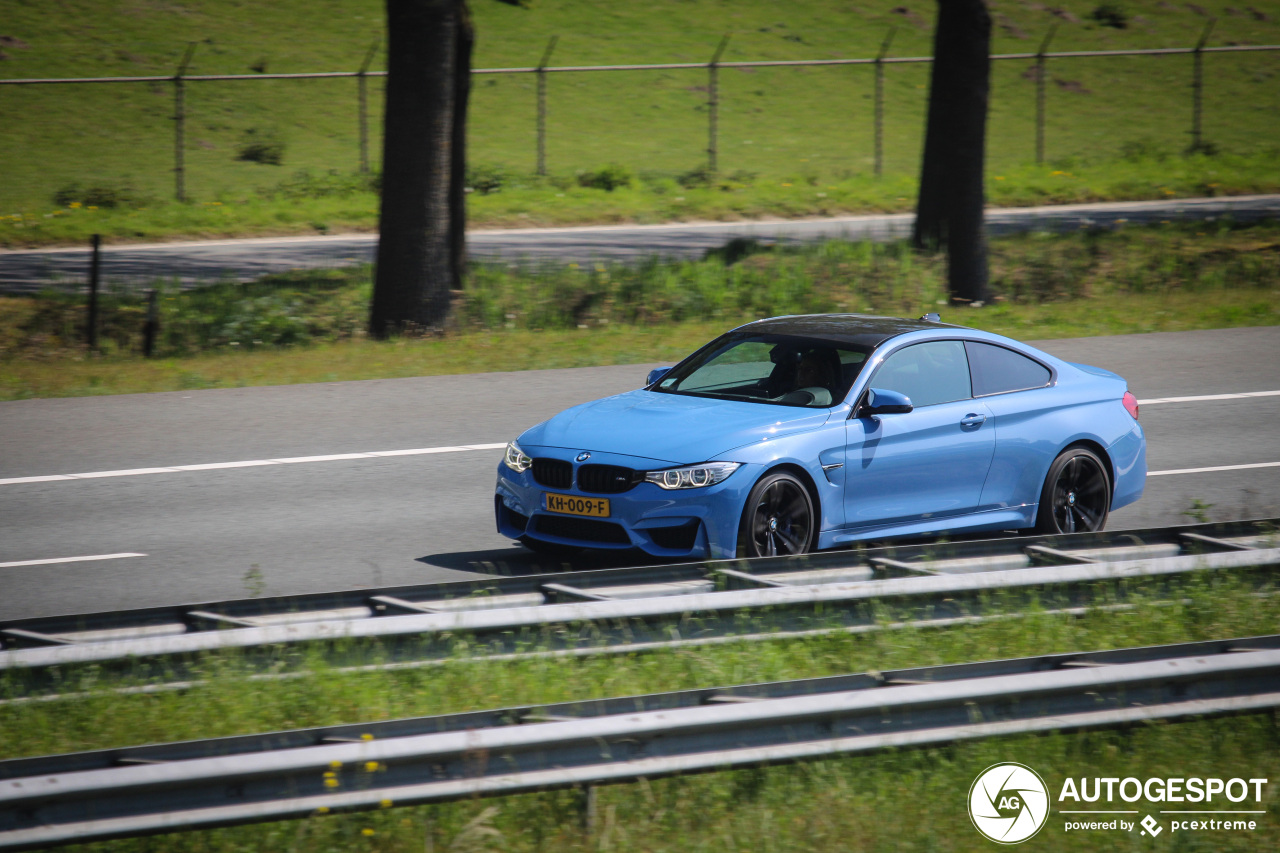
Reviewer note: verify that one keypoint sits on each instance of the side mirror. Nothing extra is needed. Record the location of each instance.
(883, 402)
(656, 374)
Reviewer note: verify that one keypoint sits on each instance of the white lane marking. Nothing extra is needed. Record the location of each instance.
(67, 560)
(1208, 397)
(1215, 468)
(419, 451)
(251, 463)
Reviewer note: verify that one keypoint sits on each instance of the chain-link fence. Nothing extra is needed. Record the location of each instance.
(1037, 75)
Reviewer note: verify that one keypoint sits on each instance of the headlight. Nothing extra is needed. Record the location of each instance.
(515, 458)
(692, 476)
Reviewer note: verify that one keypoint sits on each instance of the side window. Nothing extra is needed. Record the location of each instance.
(997, 370)
(928, 373)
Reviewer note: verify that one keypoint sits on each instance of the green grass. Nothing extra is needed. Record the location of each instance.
(808, 128)
(902, 800)
(309, 326)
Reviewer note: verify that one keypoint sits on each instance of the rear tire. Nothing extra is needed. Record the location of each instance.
(1077, 494)
(778, 519)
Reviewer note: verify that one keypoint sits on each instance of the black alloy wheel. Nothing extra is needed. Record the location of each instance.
(1076, 495)
(778, 519)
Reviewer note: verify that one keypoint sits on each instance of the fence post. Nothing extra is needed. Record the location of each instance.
(1040, 80)
(713, 104)
(91, 322)
(542, 104)
(180, 121)
(879, 131)
(364, 102)
(152, 325)
(1197, 85)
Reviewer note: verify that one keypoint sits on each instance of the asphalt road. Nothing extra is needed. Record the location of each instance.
(325, 524)
(196, 262)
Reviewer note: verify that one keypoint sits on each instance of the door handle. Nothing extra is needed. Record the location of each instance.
(973, 420)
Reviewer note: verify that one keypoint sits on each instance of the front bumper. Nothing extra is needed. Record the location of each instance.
(692, 523)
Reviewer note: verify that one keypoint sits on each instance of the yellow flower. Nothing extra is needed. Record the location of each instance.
(93, 207)
(786, 185)
(366, 736)
(366, 832)
(371, 766)
(75, 204)
(385, 804)
(331, 782)
(336, 765)
(322, 810)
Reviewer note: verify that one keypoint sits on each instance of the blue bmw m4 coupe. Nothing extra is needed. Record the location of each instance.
(799, 433)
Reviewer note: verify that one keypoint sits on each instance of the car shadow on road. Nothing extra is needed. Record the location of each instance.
(518, 560)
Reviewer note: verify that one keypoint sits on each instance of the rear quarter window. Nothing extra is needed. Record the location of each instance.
(997, 370)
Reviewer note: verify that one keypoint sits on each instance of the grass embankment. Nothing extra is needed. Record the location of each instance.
(621, 146)
(910, 800)
(309, 326)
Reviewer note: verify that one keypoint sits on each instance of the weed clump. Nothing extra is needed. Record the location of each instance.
(701, 177)
(607, 178)
(104, 195)
(1110, 15)
(486, 179)
(261, 145)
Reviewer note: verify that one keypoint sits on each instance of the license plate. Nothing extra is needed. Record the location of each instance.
(574, 505)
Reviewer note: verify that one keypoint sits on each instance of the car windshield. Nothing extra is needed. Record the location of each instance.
(778, 369)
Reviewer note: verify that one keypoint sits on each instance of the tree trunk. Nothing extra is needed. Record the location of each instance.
(458, 168)
(949, 210)
(421, 229)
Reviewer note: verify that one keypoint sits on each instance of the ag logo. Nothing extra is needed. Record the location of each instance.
(1008, 803)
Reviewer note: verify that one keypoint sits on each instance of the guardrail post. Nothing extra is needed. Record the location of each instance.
(1041, 76)
(542, 104)
(879, 118)
(180, 121)
(713, 104)
(362, 86)
(91, 322)
(152, 325)
(1197, 85)
(587, 804)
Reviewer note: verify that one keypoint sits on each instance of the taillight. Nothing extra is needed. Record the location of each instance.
(1131, 404)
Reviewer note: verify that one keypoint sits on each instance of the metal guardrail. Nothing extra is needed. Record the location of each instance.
(129, 792)
(632, 609)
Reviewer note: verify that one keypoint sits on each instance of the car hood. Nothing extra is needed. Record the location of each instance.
(669, 427)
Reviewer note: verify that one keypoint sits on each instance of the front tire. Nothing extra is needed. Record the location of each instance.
(778, 519)
(1077, 494)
